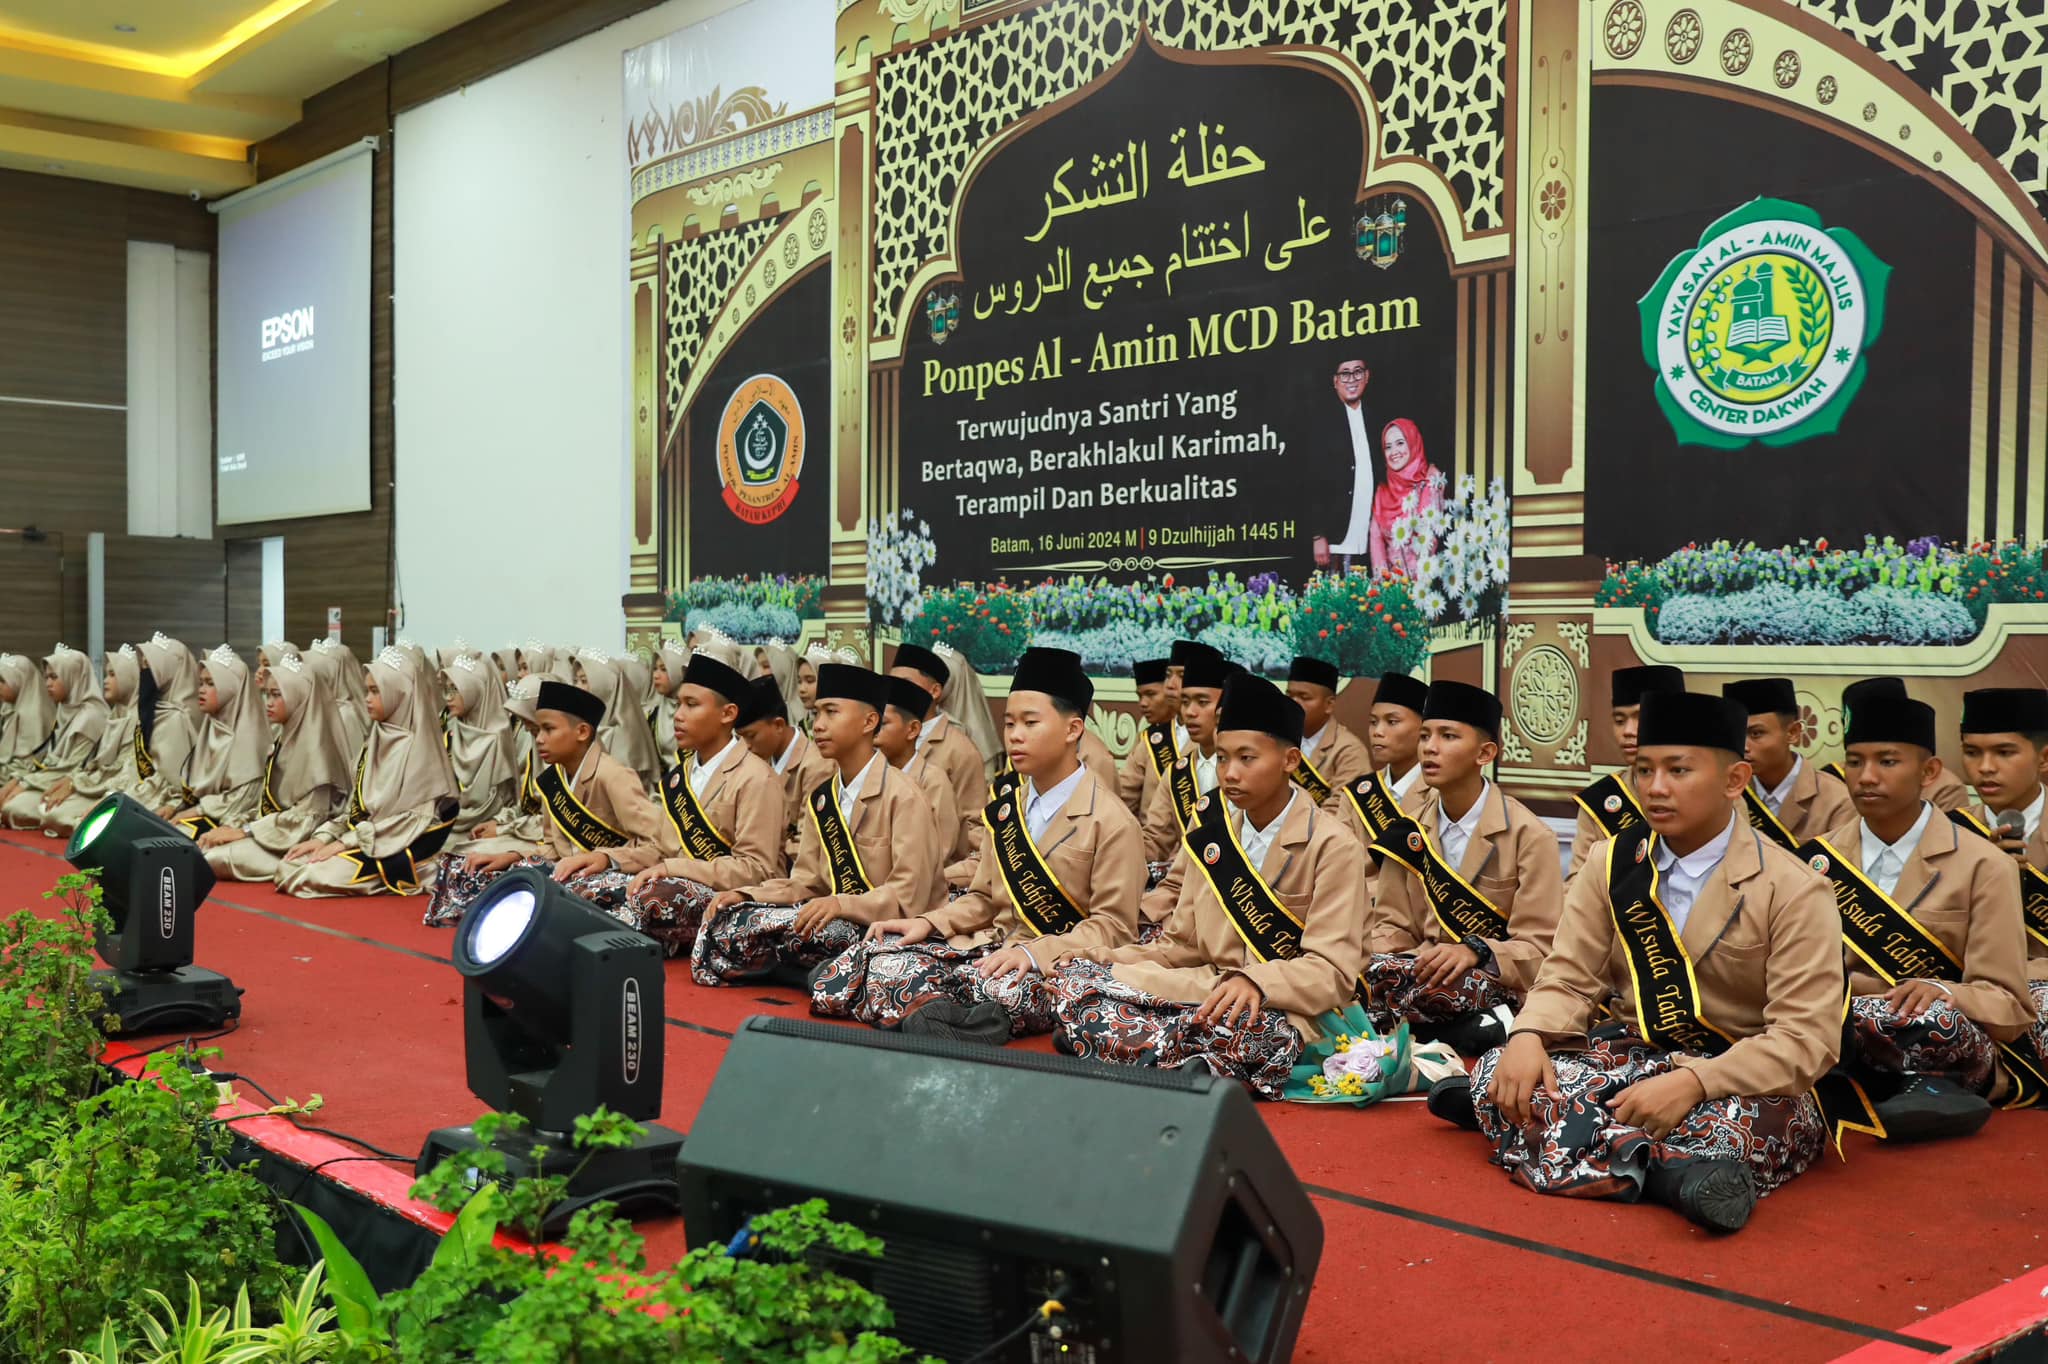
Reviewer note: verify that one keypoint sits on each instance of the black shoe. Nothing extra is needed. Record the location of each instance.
(1472, 1034)
(986, 1022)
(1451, 1099)
(1924, 1110)
(1716, 1194)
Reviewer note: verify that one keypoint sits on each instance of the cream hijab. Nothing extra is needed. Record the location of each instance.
(27, 722)
(177, 679)
(782, 667)
(312, 751)
(624, 733)
(126, 670)
(404, 766)
(966, 704)
(234, 739)
(275, 652)
(480, 743)
(338, 668)
(82, 718)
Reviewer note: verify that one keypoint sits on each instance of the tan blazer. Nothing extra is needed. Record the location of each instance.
(1965, 892)
(615, 794)
(948, 745)
(2037, 855)
(898, 846)
(800, 776)
(1765, 942)
(1094, 850)
(1130, 776)
(1342, 758)
(1511, 859)
(1319, 874)
(1162, 830)
(1817, 803)
(1947, 791)
(743, 801)
(950, 819)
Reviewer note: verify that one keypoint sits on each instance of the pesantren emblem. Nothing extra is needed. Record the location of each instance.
(760, 449)
(1759, 332)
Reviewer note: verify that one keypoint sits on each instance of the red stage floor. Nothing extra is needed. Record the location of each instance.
(1899, 1254)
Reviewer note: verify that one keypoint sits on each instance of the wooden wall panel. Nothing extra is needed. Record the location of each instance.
(176, 586)
(245, 596)
(31, 611)
(65, 468)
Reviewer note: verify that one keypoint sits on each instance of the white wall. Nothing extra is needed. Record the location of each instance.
(512, 337)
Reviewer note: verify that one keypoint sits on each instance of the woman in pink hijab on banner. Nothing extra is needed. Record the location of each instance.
(1409, 472)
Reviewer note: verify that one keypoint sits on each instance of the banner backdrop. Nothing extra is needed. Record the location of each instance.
(1506, 340)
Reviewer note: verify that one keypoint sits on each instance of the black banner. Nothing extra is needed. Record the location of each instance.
(842, 859)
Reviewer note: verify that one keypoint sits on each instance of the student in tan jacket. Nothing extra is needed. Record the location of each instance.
(1332, 757)
(1789, 799)
(789, 752)
(597, 809)
(1060, 843)
(1194, 773)
(1701, 1102)
(723, 806)
(1609, 805)
(1235, 982)
(1469, 888)
(1944, 790)
(1937, 946)
(1159, 733)
(2005, 753)
(902, 724)
(946, 741)
(868, 851)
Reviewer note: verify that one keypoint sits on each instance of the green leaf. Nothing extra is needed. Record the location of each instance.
(348, 1284)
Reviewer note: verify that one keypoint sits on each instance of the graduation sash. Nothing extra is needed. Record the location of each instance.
(1310, 780)
(1836, 771)
(399, 873)
(842, 859)
(1260, 917)
(145, 766)
(2033, 884)
(269, 805)
(1764, 822)
(1372, 796)
(1159, 743)
(1184, 791)
(573, 818)
(357, 811)
(1461, 911)
(1041, 902)
(529, 790)
(1885, 936)
(1611, 804)
(1005, 784)
(700, 837)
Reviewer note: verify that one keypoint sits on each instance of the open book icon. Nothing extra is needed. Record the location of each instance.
(1752, 331)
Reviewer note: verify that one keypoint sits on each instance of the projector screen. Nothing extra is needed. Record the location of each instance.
(294, 346)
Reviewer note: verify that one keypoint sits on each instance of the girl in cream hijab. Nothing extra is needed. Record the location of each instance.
(638, 680)
(520, 824)
(670, 662)
(80, 717)
(169, 703)
(966, 704)
(624, 733)
(112, 767)
(775, 659)
(403, 803)
(27, 718)
(306, 781)
(337, 666)
(224, 776)
(480, 743)
(273, 653)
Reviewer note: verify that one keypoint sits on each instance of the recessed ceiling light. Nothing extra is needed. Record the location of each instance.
(124, 28)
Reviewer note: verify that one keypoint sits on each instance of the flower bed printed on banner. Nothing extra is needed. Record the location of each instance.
(1881, 592)
(773, 606)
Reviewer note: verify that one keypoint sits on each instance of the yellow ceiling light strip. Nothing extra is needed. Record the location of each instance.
(180, 66)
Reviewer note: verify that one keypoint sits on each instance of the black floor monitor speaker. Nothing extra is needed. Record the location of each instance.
(1154, 1205)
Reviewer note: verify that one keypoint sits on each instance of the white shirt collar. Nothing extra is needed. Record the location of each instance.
(1875, 847)
(1778, 794)
(1258, 842)
(1407, 780)
(1468, 823)
(1041, 806)
(782, 760)
(1696, 864)
(849, 791)
(2032, 814)
(1309, 742)
(701, 772)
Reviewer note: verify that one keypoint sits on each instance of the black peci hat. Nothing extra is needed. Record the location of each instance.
(1764, 695)
(1399, 689)
(1465, 704)
(1251, 702)
(1690, 719)
(1201, 666)
(906, 696)
(1630, 685)
(764, 702)
(925, 661)
(1314, 671)
(707, 672)
(1057, 673)
(1891, 720)
(570, 699)
(2005, 710)
(1149, 672)
(847, 682)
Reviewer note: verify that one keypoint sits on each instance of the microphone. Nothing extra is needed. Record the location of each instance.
(2011, 823)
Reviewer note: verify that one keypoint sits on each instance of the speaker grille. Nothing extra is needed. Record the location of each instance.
(803, 1028)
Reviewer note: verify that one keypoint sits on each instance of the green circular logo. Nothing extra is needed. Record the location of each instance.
(1758, 333)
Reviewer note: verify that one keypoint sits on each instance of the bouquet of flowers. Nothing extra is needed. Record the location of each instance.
(1353, 1063)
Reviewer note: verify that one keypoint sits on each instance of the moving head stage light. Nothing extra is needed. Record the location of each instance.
(563, 1012)
(153, 878)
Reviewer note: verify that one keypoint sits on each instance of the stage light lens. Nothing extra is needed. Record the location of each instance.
(500, 925)
(94, 823)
